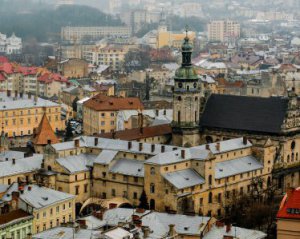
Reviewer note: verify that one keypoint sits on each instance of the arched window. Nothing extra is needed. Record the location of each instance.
(293, 157)
(187, 87)
(210, 196)
(152, 171)
(49, 168)
(209, 180)
(152, 188)
(178, 116)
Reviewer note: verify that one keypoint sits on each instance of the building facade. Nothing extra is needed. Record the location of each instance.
(223, 30)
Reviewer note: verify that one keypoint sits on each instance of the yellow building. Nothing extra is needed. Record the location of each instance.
(172, 39)
(21, 114)
(100, 112)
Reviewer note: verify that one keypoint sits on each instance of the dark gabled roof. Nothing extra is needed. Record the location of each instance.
(242, 113)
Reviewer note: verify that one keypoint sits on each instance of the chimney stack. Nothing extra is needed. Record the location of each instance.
(49, 141)
(162, 148)
(157, 112)
(29, 95)
(13, 161)
(172, 231)
(228, 227)
(165, 112)
(113, 134)
(129, 144)
(218, 146)
(146, 231)
(207, 147)
(16, 94)
(245, 140)
(76, 142)
(29, 188)
(96, 141)
(183, 153)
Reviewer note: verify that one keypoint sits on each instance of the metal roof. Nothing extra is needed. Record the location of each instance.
(184, 178)
(237, 166)
(128, 167)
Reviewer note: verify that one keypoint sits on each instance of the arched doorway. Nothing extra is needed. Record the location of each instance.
(152, 204)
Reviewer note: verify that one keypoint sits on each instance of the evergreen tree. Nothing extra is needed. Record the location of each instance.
(144, 201)
(69, 132)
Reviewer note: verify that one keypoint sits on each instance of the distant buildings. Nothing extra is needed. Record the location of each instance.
(220, 30)
(74, 34)
(10, 45)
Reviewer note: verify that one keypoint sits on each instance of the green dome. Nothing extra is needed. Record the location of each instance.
(186, 73)
(187, 46)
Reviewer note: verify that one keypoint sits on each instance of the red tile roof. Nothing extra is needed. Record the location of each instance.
(2, 77)
(102, 102)
(290, 205)
(3, 59)
(44, 133)
(13, 215)
(138, 133)
(50, 77)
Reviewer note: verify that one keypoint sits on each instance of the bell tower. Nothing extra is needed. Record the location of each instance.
(186, 100)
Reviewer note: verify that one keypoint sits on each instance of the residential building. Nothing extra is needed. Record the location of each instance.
(48, 207)
(223, 30)
(73, 34)
(100, 112)
(21, 114)
(77, 68)
(288, 216)
(16, 224)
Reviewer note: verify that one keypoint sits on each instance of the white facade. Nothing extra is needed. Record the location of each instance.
(10, 45)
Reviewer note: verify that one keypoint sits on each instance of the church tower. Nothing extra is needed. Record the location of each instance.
(186, 100)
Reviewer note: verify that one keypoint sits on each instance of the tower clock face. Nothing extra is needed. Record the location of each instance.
(180, 85)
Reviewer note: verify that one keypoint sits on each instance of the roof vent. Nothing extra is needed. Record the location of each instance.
(186, 228)
(45, 198)
(187, 179)
(221, 170)
(139, 170)
(249, 163)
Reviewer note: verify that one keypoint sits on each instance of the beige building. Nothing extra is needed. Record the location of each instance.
(223, 30)
(20, 114)
(49, 208)
(77, 68)
(73, 34)
(100, 112)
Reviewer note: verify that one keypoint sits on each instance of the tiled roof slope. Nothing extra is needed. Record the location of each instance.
(257, 114)
(102, 102)
(44, 133)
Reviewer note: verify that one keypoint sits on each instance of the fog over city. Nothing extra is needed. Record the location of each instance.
(150, 119)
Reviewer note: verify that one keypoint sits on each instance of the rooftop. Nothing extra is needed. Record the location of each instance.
(67, 233)
(290, 205)
(106, 103)
(184, 178)
(13, 217)
(128, 167)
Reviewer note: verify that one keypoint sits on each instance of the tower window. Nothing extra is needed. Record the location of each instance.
(187, 88)
(178, 116)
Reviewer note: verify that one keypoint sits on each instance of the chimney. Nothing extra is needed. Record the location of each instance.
(96, 140)
(152, 147)
(183, 153)
(49, 141)
(228, 227)
(146, 231)
(162, 148)
(113, 134)
(218, 146)
(140, 146)
(207, 147)
(13, 161)
(165, 112)
(245, 140)
(8, 93)
(16, 94)
(76, 142)
(172, 231)
(129, 144)
(29, 188)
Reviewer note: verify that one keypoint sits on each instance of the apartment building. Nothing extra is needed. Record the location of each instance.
(100, 112)
(21, 114)
(74, 34)
(223, 30)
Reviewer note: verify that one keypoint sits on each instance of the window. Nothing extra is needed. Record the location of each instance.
(219, 197)
(166, 168)
(112, 114)
(152, 188)
(241, 191)
(102, 114)
(44, 226)
(51, 224)
(57, 222)
(85, 188)
(209, 179)
(44, 214)
(37, 216)
(134, 195)
(125, 178)
(102, 123)
(112, 122)
(51, 211)
(136, 179)
(201, 201)
(210, 196)
(77, 189)
(64, 206)
(113, 176)
(152, 171)
(57, 209)
(113, 192)
(70, 204)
